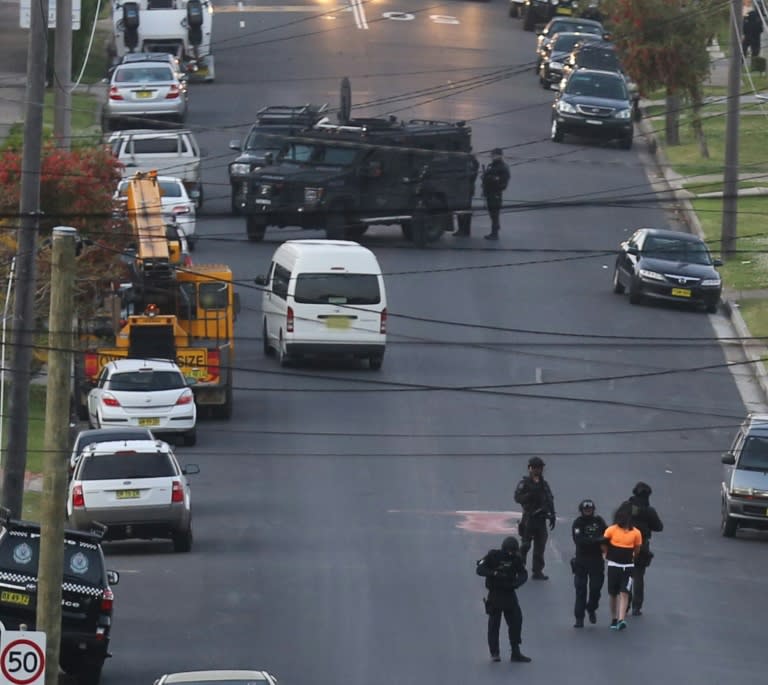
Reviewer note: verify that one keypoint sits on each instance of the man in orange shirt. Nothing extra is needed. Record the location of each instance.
(622, 543)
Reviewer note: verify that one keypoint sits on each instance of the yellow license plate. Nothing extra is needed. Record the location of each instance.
(149, 422)
(564, 10)
(681, 292)
(127, 494)
(144, 93)
(14, 598)
(197, 373)
(337, 322)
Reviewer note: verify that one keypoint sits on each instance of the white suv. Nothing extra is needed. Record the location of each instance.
(134, 487)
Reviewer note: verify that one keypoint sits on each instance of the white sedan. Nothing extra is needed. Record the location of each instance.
(151, 394)
(178, 207)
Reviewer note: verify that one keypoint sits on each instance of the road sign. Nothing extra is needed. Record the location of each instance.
(25, 10)
(22, 657)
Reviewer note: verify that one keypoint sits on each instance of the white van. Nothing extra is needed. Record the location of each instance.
(324, 298)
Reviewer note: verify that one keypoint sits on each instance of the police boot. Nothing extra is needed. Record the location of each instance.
(517, 655)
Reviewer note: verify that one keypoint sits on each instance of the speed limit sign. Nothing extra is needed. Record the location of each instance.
(22, 657)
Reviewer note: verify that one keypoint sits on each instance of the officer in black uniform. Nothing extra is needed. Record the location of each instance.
(495, 180)
(588, 565)
(535, 497)
(504, 572)
(647, 521)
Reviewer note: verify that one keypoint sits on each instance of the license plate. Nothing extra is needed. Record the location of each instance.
(14, 598)
(127, 494)
(565, 10)
(337, 322)
(149, 422)
(143, 93)
(681, 292)
(262, 202)
(597, 122)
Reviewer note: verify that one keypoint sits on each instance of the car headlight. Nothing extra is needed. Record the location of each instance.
(312, 195)
(651, 275)
(623, 114)
(567, 107)
(556, 65)
(239, 169)
(741, 492)
(711, 282)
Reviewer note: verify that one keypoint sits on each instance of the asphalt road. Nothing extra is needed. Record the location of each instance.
(339, 514)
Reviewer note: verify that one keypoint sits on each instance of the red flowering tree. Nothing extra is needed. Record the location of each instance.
(76, 190)
(663, 44)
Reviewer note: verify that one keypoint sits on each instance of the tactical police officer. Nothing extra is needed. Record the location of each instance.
(535, 497)
(647, 521)
(495, 180)
(504, 572)
(587, 565)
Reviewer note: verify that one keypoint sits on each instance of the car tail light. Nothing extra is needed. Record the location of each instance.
(109, 400)
(173, 92)
(177, 492)
(187, 261)
(91, 364)
(383, 321)
(114, 93)
(213, 363)
(107, 601)
(78, 499)
(185, 397)
(181, 209)
(289, 320)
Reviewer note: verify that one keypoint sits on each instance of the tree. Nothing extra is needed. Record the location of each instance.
(663, 44)
(76, 190)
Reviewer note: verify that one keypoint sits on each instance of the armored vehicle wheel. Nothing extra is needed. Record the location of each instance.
(335, 226)
(428, 225)
(407, 230)
(255, 227)
(464, 222)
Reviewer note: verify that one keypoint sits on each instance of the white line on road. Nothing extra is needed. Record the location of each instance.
(359, 12)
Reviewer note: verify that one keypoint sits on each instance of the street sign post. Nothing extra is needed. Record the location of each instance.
(22, 657)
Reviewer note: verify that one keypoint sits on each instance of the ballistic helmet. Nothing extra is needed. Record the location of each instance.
(586, 504)
(497, 152)
(642, 490)
(510, 545)
(536, 462)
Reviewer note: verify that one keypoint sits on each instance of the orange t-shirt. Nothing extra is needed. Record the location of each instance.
(621, 543)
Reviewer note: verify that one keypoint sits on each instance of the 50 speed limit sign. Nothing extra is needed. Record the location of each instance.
(22, 657)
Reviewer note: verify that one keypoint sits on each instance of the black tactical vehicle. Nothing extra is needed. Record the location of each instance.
(345, 178)
(265, 137)
(86, 603)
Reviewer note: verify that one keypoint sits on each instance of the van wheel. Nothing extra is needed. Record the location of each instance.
(255, 227)
(407, 230)
(265, 342)
(282, 353)
(375, 361)
(335, 226)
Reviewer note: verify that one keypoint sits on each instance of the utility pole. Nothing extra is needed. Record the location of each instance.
(23, 306)
(728, 229)
(62, 76)
(55, 446)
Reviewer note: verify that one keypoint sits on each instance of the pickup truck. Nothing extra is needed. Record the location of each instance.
(170, 153)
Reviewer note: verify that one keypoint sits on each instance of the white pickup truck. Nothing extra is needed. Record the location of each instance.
(170, 153)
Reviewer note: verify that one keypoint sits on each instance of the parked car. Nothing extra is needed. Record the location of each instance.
(667, 265)
(566, 25)
(136, 488)
(91, 436)
(149, 393)
(146, 90)
(535, 12)
(86, 593)
(169, 153)
(553, 56)
(516, 8)
(744, 488)
(162, 57)
(178, 207)
(593, 104)
(223, 677)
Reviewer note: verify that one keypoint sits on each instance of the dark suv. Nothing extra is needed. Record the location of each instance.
(265, 137)
(344, 178)
(86, 604)
(593, 104)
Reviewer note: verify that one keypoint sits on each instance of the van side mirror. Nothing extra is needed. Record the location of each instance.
(261, 280)
(728, 458)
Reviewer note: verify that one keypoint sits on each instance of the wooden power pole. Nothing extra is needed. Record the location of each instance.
(55, 444)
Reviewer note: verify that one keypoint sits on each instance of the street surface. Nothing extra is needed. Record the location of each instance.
(339, 514)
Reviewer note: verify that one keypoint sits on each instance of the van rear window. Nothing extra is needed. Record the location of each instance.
(330, 288)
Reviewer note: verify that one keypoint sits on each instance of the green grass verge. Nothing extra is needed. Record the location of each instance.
(755, 314)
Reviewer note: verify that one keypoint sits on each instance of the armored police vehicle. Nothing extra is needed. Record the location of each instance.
(344, 178)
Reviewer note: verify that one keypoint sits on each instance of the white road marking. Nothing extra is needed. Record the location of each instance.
(359, 12)
(399, 16)
(443, 19)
